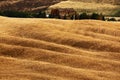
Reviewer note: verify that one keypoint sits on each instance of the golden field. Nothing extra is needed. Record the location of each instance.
(52, 49)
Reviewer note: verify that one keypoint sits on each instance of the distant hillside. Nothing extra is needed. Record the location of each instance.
(26, 5)
(35, 5)
(101, 1)
(89, 7)
(105, 6)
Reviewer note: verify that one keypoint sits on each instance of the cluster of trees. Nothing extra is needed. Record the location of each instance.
(42, 14)
(20, 14)
(15, 14)
(112, 19)
(95, 16)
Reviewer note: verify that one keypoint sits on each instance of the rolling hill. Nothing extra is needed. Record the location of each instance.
(89, 7)
(51, 49)
(107, 7)
(101, 1)
(26, 5)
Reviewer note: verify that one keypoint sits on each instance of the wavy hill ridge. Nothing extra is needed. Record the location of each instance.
(50, 49)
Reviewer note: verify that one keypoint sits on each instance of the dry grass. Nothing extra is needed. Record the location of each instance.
(45, 49)
(25, 5)
(107, 9)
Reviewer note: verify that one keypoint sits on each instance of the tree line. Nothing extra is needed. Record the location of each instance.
(42, 14)
(20, 14)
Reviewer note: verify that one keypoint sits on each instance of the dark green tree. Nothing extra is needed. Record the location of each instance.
(95, 16)
(65, 17)
(42, 14)
(16, 14)
(112, 19)
(84, 16)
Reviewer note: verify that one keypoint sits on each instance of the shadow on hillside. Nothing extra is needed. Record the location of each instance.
(27, 5)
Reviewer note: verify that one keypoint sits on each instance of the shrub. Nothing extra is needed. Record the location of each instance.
(95, 16)
(84, 16)
(41, 14)
(112, 19)
(65, 17)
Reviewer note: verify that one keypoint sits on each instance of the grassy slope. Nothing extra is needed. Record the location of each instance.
(25, 5)
(45, 49)
(107, 9)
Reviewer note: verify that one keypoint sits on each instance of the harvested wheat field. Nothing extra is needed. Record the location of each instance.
(51, 49)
